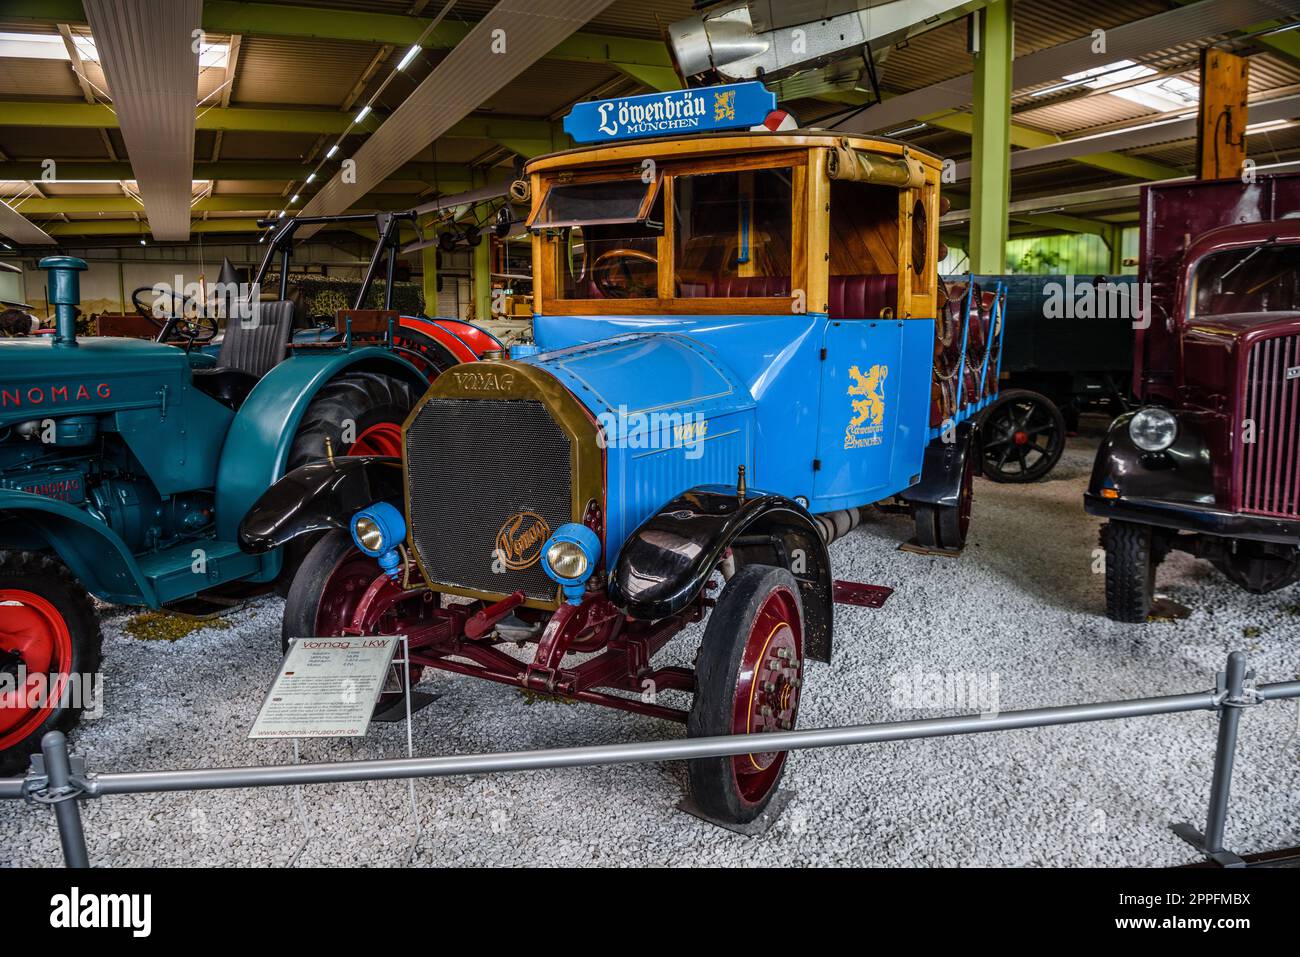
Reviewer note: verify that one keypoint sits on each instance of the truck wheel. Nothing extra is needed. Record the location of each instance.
(324, 595)
(1131, 560)
(48, 632)
(945, 527)
(1022, 435)
(747, 680)
(376, 405)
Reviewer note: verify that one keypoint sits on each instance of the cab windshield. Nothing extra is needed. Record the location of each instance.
(1252, 280)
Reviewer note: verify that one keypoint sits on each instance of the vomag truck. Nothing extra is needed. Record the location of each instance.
(743, 343)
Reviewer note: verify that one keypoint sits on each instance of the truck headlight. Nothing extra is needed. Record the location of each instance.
(378, 529)
(567, 560)
(1153, 429)
(570, 557)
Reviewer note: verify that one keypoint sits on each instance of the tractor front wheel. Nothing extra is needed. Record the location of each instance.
(747, 680)
(50, 648)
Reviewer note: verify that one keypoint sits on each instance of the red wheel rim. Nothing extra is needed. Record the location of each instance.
(382, 438)
(342, 595)
(35, 635)
(767, 690)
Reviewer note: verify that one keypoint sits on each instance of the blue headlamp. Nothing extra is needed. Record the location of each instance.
(377, 531)
(569, 557)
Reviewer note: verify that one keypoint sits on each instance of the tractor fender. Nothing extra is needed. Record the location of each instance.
(464, 341)
(942, 468)
(317, 497)
(258, 442)
(665, 563)
(93, 551)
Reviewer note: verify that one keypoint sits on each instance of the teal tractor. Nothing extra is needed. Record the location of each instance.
(127, 465)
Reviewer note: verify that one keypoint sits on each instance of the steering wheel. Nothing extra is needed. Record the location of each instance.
(195, 331)
(609, 266)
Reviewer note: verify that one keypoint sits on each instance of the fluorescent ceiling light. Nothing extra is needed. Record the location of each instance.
(329, 154)
(1267, 125)
(293, 198)
(365, 111)
(907, 129)
(310, 177)
(410, 55)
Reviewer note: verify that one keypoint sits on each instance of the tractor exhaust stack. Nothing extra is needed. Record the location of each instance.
(64, 293)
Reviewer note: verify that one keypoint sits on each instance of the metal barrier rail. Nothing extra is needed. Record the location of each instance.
(59, 781)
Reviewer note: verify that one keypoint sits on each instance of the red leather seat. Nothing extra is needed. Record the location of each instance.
(741, 287)
(862, 297)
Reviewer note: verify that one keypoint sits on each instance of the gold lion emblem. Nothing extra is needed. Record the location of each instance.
(724, 105)
(873, 406)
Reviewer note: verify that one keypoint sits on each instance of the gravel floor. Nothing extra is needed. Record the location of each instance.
(1020, 612)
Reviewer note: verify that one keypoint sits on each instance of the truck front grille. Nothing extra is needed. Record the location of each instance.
(1269, 478)
(488, 480)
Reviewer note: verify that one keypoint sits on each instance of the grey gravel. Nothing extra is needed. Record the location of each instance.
(1023, 603)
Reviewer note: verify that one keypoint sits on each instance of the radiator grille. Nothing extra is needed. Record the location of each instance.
(472, 466)
(1270, 466)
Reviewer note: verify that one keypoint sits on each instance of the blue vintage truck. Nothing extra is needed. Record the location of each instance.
(126, 464)
(742, 341)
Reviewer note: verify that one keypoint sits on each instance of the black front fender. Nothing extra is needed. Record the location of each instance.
(1183, 473)
(318, 497)
(665, 563)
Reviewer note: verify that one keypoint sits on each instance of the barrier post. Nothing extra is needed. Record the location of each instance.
(1234, 699)
(64, 795)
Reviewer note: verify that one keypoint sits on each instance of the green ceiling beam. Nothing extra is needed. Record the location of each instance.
(98, 115)
(447, 177)
(1025, 137)
(1287, 44)
(319, 23)
(128, 227)
(1058, 223)
(660, 78)
(220, 203)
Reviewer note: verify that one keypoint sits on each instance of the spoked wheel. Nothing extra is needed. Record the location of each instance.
(48, 634)
(1023, 435)
(747, 681)
(339, 590)
(945, 527)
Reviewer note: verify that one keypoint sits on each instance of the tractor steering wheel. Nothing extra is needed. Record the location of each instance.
(196, 331)
(610, 266)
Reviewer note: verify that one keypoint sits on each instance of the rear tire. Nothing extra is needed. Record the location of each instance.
(1022, 436)
(48, 627)
(757, 621)
(1131, 560)
(946, 527)
(375, 405)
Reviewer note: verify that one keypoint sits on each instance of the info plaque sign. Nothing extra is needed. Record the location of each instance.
(326, 688)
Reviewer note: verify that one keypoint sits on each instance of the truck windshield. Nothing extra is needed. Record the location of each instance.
(1258, 279)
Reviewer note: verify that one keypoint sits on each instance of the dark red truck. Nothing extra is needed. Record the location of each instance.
(1210, 461)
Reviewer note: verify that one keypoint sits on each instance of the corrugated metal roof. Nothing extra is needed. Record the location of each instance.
(547, 87)
(298, 72)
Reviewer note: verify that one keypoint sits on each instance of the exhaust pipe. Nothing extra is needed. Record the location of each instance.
(833, 525)
(64, 293)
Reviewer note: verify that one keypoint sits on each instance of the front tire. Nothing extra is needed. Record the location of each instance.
(324, 596)
(48, 632)
(747, 680)
(1132, 556)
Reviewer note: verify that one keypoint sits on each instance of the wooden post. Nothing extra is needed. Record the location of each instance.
(1221, 118)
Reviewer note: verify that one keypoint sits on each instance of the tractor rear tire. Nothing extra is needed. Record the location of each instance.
(365, 408)
(48, 625)
(747, 679)
(1132, 555)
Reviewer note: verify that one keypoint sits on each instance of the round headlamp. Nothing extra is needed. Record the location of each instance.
(570, 558)
(378, 529)
(1153, 429)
